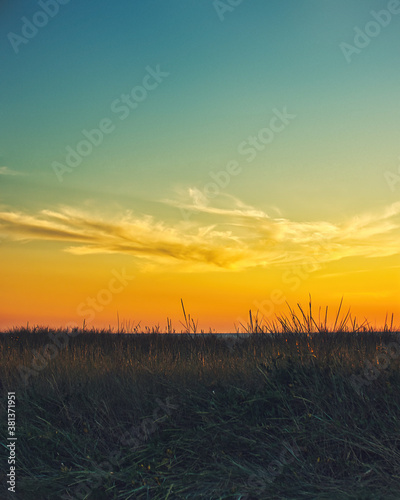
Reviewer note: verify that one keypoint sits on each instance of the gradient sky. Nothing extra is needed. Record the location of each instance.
(314, 209)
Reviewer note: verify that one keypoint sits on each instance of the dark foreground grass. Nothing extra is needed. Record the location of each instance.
(159, 416)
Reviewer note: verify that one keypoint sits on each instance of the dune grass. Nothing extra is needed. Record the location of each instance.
(300, 408)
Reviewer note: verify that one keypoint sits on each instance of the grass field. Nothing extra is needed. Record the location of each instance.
(294, 410)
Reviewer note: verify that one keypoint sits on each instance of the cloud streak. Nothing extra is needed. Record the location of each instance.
(238, 237)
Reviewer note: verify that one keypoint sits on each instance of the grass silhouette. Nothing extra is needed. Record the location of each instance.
(300, 407)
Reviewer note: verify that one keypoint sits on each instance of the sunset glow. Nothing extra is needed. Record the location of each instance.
(238, 159)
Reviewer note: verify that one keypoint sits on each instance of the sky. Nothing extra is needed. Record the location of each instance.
(234, 154)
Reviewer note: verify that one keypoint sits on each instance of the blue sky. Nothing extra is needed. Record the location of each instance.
(226, 79)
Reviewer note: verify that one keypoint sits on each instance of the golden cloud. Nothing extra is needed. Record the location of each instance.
(239, 236)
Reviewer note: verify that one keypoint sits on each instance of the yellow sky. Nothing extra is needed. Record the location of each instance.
(233, 160)
(68, 265)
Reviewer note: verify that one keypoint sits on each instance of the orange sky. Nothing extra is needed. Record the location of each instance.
(56, 288)
(231, 159)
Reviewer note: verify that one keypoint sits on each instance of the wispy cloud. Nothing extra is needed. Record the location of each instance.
(8, 171)
(237, 236)
(141, 237)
